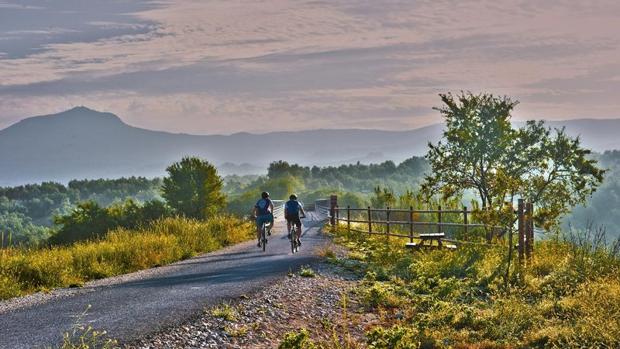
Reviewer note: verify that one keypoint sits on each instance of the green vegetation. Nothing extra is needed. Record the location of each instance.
(568, 297)
(121, 251)
(26, 212)
(225, 312)
(89, 220)
(482, 152)
(297, 340)
(355, 184)
(307, 272)
(86, 337)
(193, 188)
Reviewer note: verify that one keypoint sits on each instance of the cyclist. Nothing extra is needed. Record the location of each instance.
(263, 211)
(292, 210)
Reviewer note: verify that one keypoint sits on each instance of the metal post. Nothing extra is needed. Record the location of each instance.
(411, 224)
(348, 219)
(369, 221)
(521, 228)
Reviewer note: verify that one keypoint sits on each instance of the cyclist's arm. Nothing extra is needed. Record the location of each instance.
(303, 213)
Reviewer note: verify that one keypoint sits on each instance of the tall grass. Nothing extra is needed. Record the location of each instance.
(23, 271)
(568, 297)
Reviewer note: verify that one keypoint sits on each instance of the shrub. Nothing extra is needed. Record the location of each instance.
(297, 340)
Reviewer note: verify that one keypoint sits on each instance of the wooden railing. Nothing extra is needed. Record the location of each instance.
(402, 223)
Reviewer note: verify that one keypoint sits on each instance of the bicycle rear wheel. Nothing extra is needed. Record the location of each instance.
(263, 238)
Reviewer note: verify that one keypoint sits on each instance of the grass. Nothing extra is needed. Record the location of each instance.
(568, 297)
(307, 272)
(85, 337)
(24, 271)
(225, 311)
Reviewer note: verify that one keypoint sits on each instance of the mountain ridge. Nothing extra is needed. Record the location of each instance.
(84, 143)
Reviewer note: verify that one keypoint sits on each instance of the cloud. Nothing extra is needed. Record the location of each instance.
(240, 66)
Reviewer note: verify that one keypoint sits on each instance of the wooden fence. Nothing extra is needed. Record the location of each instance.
(401, 223)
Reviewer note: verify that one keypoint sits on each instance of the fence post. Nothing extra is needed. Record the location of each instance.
(387, 220)
(439, 219)
(521, 228)
(348, 219)
(411, 224)
(529, 246)
(465, 221)
(333, 203)
(369, 221)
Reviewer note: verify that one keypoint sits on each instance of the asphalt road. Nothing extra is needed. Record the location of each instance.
(166, 296)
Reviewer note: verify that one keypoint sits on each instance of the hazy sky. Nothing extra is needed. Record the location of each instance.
(228, 66)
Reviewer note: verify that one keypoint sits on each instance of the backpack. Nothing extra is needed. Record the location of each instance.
(263, 206)
(292, 207)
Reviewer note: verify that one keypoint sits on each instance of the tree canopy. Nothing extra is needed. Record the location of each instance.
(193, 188)
(483, 152)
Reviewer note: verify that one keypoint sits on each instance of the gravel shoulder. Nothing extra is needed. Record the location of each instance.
(325, 304)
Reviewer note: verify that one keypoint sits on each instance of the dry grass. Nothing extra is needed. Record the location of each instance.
(23, 271)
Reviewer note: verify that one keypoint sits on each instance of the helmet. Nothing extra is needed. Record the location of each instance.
(293, 197)
(264, 195)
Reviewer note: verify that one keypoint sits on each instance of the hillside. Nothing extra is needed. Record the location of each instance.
(83, 143)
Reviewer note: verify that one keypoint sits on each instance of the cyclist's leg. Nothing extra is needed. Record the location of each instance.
(260, 220)
(297, 222)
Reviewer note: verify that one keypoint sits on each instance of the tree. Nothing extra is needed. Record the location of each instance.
(193, 188)
(483, 152)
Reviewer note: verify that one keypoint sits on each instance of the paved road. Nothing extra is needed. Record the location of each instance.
(163, 297)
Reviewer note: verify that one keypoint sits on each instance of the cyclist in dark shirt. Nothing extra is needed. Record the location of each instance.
(292, 211)
(263, 211)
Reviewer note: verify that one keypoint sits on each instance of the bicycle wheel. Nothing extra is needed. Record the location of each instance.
(263, 238)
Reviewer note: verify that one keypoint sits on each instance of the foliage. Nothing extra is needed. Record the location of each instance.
(481, 151)
(193, 188)
(26, 212)
(121, 251)
(89, 220)
(307, 272)
(86, 337)
(297, 340)
(353, 183)
(568, 297)
(225, 312)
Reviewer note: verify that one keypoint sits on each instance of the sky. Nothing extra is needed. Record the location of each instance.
(220, 67)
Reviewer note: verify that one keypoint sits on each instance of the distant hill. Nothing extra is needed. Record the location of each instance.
(83, 143)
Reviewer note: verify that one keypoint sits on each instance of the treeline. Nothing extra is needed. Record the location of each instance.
(356, 184)
(87, 209)
(603, 208)
(27, 212)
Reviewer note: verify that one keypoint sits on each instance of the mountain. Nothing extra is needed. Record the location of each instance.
(83, 143)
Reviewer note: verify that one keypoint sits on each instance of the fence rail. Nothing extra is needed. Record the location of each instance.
(394, 223)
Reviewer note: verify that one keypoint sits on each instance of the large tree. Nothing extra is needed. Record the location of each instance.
(193, 188)
(483, 152)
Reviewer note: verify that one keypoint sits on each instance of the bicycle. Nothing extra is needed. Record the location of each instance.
(293, 237)
(264, 231)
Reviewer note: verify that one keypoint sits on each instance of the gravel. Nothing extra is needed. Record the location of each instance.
(261, 320)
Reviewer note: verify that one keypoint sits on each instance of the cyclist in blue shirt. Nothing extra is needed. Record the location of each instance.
(292, 211)
(263, 211)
